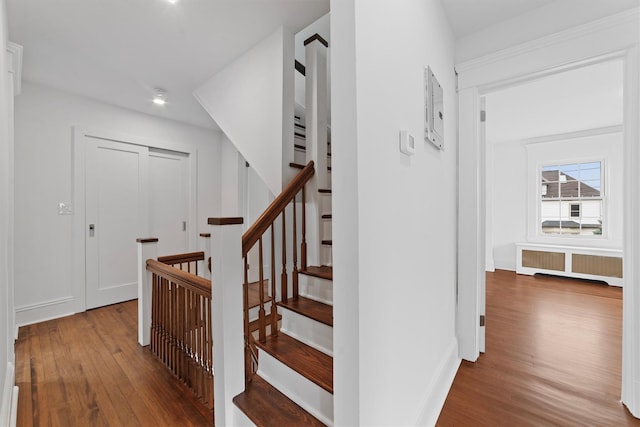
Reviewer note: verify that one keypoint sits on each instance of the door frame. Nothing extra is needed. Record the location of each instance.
(611, 37)
(78, 161)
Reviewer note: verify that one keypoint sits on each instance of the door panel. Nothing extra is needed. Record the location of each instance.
(168, 201)
(116, 212)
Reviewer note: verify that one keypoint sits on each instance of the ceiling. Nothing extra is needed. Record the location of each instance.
(584, 98)
(469, 16)
(118, 51)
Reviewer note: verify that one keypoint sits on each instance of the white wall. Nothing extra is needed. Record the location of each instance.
(395, 223)
(548, 19)
(252, 100)
(6, 335)
(43, 177)
(513, 178)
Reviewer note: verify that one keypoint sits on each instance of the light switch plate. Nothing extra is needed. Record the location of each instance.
(407, 143)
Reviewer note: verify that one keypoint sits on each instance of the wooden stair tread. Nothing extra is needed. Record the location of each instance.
(254, 293)
(315, 310)
(323, 272)
(255, 324)
(264, 405)
(327, 216)
(324, 190)
(327, 242)
(312, 364)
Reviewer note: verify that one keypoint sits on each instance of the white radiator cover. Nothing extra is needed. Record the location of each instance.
(570, 261)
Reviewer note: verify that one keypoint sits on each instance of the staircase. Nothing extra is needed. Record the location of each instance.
(291, 374)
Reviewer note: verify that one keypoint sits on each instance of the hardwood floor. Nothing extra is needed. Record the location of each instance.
(554, 352)
(88, 370)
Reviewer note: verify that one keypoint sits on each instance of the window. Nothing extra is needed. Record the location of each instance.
(571, 199)
(575, 210)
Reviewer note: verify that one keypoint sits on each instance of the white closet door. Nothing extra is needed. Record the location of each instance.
(116, 214)
(169, 201)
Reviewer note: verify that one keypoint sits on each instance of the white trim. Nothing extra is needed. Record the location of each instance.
(620, 19)
(43, 311)
(631, 268)
(608, 38)
(79, 202)
(607, 130)
(9, 398)
(597, 45)
(439, 387)
(15, 66)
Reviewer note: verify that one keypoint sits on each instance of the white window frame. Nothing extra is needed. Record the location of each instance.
(534, 214)
(603, 197)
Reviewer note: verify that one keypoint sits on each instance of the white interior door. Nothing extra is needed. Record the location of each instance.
(482, 282)
(116, 214)
(169, 200)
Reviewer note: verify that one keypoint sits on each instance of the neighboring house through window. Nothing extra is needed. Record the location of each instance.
(571, 199)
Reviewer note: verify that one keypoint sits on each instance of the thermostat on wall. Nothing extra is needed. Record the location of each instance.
(407, 143)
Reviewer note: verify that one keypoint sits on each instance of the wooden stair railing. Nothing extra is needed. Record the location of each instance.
(255, 235)
(181, 334)
(186, 262)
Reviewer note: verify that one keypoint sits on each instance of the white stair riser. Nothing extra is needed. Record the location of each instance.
(327, 229)
(300, 157)
(239, 419)
(311, 397)
(316, 288)
(253, 312)
(325, 203)
(326, 255)
(311, 332)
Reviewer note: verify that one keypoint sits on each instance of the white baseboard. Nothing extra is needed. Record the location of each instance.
(9, 399)
(43, 311)
(439, 387)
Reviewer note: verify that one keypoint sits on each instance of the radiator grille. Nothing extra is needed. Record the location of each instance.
(544, 260)
(597, 265)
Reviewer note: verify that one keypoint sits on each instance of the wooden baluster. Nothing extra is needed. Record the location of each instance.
(262, 333)
(295, 250)
(245, 309)
(165, 321)
(274, 310)
(172, 332)
(199, 298)
(179, 314)
(154, 313)
(283, 279)
(303, 246)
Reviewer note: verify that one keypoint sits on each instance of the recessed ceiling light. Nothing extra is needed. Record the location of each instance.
(160, 96)
(173, 1)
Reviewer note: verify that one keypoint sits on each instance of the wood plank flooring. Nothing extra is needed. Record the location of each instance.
(88, 370)
(554, 351)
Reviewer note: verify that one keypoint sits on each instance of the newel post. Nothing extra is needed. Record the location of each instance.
(205, 245)
(147, 249)
(227, 315)
(316, 121)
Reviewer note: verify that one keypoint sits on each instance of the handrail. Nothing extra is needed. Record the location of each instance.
(189, 281)
(262, 224)
(180, 258)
